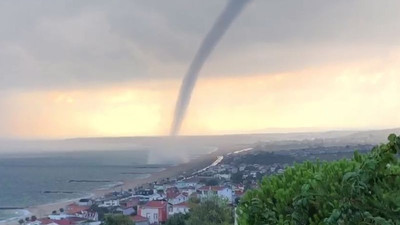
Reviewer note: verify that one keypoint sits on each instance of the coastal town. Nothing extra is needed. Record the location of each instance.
(227, 178)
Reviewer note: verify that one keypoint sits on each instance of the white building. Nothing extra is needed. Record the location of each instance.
(186, 183)
(58, 216)
(110, 203)
(155, 211)
(127, 211)
(179, 208)
(223, 176)
(221, 192)
(178, 198)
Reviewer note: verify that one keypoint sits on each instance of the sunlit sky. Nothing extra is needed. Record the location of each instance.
(114, 68)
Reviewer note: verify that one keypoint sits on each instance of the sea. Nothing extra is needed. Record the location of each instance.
(49, 177)
(46, 178)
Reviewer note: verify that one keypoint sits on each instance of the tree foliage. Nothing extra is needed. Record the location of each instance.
(212, 211)
(118, 219)
(363, 190)
(177, 219)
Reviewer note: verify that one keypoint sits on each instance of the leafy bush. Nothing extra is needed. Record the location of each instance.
(363, 190)
(177, 219)
(118, 219)
(211, 211)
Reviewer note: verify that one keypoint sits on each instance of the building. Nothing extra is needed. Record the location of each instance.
(221, 192)
(47, 221)
(74, 208)
(188, 190)
(127, 211)
(155, 211)
(127, 206)
(109, 203)
(223, 176)
(179, 208)
(88, 214)
(159, 187)
(176, 198)
(144, 192)
(58, 216)
(187, 183)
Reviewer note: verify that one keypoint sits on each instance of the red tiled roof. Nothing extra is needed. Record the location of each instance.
(239, 193)
(172, 195)
(60, 222)
(76, 219)
(138, 218)
(45, 221)
(212, 188)
(64, 222)
(75, 208)
(155, 204)
(172, 192)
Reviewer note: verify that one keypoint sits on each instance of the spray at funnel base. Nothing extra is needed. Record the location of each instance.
(221, 25)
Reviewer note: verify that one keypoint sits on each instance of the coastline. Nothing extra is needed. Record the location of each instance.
(185, 169)
(173, 171)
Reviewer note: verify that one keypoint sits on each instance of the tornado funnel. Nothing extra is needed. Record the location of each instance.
(221, 25)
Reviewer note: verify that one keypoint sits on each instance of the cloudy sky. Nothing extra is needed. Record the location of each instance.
(113, 68)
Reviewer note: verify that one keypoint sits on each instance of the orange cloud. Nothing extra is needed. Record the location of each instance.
(354, 95)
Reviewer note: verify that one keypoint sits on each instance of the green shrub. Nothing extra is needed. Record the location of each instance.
(363, 190)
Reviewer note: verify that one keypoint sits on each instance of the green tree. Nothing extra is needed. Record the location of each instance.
(177, 219)
(118, 219)
(212, 211)
(237, 178)
(363, 190)
(212, 182)
(33, 218)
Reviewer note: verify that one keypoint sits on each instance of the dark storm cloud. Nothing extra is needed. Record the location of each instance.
(55, 44)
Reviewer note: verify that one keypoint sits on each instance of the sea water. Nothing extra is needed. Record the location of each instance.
(47, 178)
(52, 177)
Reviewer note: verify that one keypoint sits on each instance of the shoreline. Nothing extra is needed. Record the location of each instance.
(185, 169)
(44, 210)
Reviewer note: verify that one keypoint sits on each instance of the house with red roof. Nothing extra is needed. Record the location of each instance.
(88, 215)
(176, 198)
(74, 208)
(48, 221)
(155, 211)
